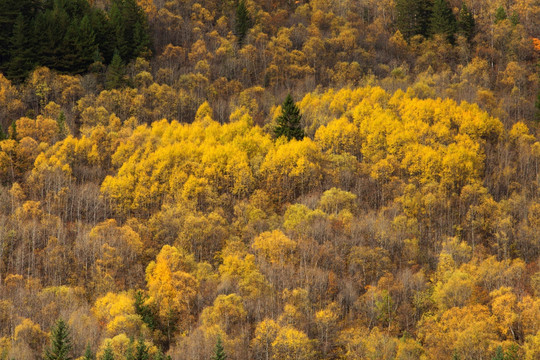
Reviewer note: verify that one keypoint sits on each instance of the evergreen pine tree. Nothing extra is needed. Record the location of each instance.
(86, 44)
(141, 39)
(219, 352)
(243, 21)
(500, 14)
(130, 351)
(499, 354)
(413, 16)
(68, 59)
(61, 123)
(60, 348)
(103, 28)
(118, 24)
(160, 356)
(3, 135)
(288, 123)
(88, 354)
(144, 311)
(466, 22)
(13, 131)
(136, 29)
(108, 353)
(514, 18)
(512, 353)
(443, 20)
(115, 73)
(131, 27)
(21, 62)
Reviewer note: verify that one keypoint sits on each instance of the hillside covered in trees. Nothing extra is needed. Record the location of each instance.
(269, 179)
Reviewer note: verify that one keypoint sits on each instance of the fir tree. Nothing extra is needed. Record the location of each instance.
(243, 21)
(466, 23)
(86, 44)
(443, 20)
(130, 25)
(118, 25)
(60, 348)
(413, 17)
(500, 14)
(130, 351)
(88, 354)
(514, 18)
(13, 131)
(288, 123)
(512, 353)
(144, 311)
(219, 352)
(160, 356)
(3, 135)
(499, 354)
(108, 353)
(21, 63)
(61, 123)
(115, 73)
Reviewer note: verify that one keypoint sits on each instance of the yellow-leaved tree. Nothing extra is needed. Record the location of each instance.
(171, 287)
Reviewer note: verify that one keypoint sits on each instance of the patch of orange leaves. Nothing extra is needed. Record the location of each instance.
(536, 44)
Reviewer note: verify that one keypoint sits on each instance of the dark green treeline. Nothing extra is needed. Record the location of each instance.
(68, 35)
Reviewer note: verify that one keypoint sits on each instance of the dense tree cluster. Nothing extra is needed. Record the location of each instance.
(183, 205)
(397, 219)
(68, 36)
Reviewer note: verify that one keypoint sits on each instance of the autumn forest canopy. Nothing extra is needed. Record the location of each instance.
(269, 179)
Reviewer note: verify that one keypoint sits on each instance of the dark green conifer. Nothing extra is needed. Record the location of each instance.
(108, 353)
(60, 348)
(466, 23)
(68, 59)
(103, 29)
(13, 131)
(219, 352)
(499, 354)
(512, 352)
(500, 14)
(21, 58)
(130, 25)
(115, 73)
(514, 18)
(288, 123)
(88, 354)
(413, 17)
(130, 351)
(443, 20)
(86, 44)
(243, 21)
(161, 356)
(3, 135)
(144, 311)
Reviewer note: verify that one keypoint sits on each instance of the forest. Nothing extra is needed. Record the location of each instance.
(269, 179)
